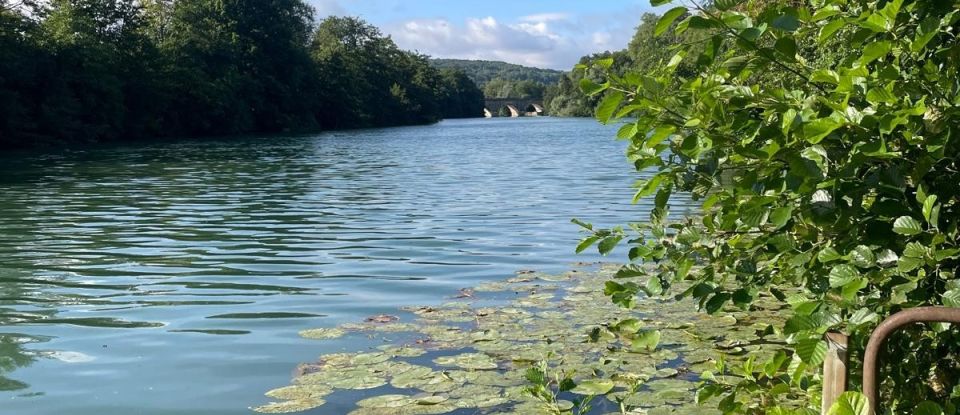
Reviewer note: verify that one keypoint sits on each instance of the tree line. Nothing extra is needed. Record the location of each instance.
(77, 71)
(505, 80)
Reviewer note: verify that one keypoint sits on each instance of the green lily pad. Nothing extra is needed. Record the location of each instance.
(322, 334)
(300, 392)
(476, 361)
(288, 407)
(593, 387)
(386, 401)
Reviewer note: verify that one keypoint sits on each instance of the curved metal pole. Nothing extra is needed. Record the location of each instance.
(888, 327)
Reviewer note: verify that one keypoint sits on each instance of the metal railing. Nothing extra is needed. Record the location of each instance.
(835, 361)
(889, 326)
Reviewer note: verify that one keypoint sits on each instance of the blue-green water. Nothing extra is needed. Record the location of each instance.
(173, 278)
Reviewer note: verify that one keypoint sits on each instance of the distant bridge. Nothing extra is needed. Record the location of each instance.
(512, 107)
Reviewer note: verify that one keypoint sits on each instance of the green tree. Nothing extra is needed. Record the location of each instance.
(461, 98)
(76, 71)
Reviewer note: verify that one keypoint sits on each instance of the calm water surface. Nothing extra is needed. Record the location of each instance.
(173, 278)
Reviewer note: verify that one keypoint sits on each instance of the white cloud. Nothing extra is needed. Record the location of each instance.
(530, 41)
(602, 40)
(545, 17)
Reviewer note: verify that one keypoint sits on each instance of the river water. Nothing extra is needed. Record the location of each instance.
(173, 278)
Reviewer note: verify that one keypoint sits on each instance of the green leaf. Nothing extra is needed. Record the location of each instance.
(863, 257)
(926, 31)
(928, 205)
(605, 63)
(842, 275)
(849, 292)
(593, 387)
(812, 351)
(592, 88)
(815, 131)
(586, 243)
(787, 22)
(951, 298)
(716, 302)
(876, 22)
(907, 264)
(827, 255)
(656, 3)
(818, 155)
(906, 225)
(608, 106)
(608, 243)
(827, 31)
(850, 403)
(628, 326)
(874, 51)
(667, 19)
(646, 341)
(928, 408)
(915, 250)
(787, 47)
(780, 216)
(659, 134)
(628, 131)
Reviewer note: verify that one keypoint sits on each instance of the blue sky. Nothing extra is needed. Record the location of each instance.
(542, 33)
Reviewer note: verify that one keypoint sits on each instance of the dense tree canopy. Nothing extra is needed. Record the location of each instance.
(504, 88)
(483, 72)
(104, 70)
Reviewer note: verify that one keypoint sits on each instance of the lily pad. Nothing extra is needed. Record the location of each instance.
(476, 361)
(593, 387)
(288, 407)
(322, 334)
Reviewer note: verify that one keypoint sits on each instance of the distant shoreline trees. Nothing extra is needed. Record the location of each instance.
(80, 71)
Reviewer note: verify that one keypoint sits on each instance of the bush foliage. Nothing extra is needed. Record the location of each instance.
(818, 135)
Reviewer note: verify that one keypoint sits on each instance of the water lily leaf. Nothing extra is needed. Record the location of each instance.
(478, 361)
(593, 387)
(431, 400)
(386, 401)
(288, 407)
(368, 381)
(322, 334)
(300, 392)
(646, 341)
(369, 359)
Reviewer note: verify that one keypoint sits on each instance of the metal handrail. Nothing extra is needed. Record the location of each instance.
(887, 328)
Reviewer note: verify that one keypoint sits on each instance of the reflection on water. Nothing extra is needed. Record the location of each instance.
(172, 278)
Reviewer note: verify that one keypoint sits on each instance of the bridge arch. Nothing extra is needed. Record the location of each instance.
(512, 107)
(511, 110)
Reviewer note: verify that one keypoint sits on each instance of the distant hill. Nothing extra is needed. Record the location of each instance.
(483, 72)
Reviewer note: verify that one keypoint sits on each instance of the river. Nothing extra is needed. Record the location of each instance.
(172, 278)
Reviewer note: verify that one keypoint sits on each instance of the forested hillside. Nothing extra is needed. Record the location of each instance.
(107, 70)
(504, 80)
(482, 72)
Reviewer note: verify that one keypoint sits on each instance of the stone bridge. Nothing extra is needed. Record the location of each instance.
(512, 107)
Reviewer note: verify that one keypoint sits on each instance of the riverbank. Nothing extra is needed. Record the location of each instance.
(475, 353)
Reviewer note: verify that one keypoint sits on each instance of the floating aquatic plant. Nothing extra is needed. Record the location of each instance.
(464, 356)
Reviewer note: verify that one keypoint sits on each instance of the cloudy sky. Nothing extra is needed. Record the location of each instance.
(542, 33)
